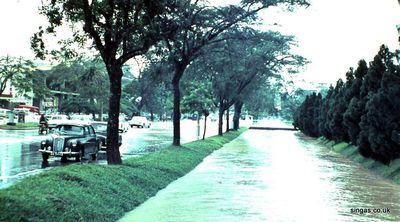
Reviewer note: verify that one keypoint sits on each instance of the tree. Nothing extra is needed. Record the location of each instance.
(383, 112)
(20, 73)
(374, 140)
(119, 30)
(198, 99)
(201, 26)
(86, 77)
(340, 103)
(353, 113)
(290, 101)
(323, 119)
(258, 99)
(369, 87)
(149, 90)
(373, 100)
(92, 82)
(307, 116)
(233, 71)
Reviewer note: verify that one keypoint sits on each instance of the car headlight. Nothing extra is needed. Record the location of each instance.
(73, 144)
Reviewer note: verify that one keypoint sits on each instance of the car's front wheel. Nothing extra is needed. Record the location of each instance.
(93, 156)
(45, 157)
(79, 156)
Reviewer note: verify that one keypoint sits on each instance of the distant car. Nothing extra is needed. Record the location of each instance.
(123, 126)
(81, 118)
(101, 131)
(71, 140)
(3, 114)
(54, 120)
(139, 121)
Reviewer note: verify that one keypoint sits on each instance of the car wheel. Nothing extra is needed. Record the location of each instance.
(45, 157)
(94, 155)
(79, 157)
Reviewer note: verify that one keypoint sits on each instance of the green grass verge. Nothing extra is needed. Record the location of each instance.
(391, 171)
(20, 126)
(91, 192)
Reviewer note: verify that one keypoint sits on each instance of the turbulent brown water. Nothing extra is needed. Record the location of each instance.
(274, 176)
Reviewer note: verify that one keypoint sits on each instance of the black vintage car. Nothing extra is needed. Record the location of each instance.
(101, 131)
(71, 140)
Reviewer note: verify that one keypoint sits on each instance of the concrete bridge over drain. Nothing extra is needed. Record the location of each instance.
(272, 128)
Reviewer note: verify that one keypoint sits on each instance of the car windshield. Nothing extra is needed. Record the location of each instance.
(100, 127)
(69, 130)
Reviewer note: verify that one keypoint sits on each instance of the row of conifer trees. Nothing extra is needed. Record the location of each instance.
(364, 110)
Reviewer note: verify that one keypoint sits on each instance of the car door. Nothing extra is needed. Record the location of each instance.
(91, 139)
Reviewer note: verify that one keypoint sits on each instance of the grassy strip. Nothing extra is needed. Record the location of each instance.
(391, 171)
(101, 192)
(20, 126)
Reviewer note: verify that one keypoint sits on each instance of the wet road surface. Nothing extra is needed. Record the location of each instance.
(274, 176)
(19, 156)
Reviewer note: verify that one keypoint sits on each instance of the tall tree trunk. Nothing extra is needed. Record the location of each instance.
(205, 126)
(177, 114)
(179, 69)
(152, 115)
(93, 111)
(227, 120)
(198, 126)
(236, 115)
(113, 154)
(220, 118)
(101, 111)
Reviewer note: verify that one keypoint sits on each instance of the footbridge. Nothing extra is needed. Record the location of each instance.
(272, 128)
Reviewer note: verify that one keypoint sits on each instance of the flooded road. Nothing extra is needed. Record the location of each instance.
(19, 156)
(274, 176)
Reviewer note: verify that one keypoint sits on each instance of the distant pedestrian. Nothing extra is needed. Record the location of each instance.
(43, 119)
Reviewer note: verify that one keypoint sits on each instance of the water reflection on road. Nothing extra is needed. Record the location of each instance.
(273, 176)
(19, 156)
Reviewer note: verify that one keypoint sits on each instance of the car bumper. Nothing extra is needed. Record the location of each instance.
(52, 153)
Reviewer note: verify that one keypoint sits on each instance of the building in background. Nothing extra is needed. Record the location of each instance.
(11, 97)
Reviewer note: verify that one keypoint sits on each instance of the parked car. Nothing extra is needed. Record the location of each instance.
(139, 121)
(100, 129)
(3, 115)
(71, 140)
(54, 120)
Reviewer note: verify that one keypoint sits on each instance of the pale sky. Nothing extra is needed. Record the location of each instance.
(333, 35)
